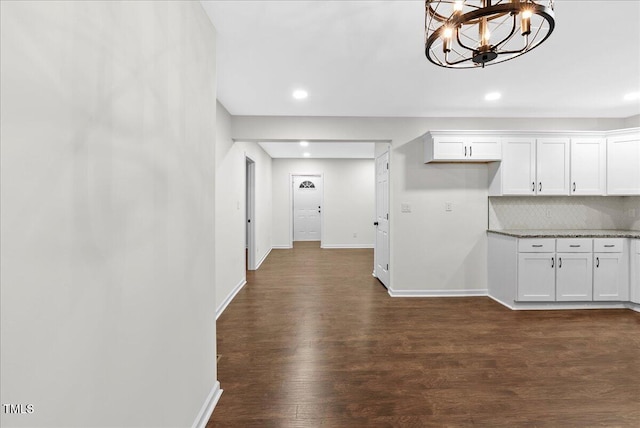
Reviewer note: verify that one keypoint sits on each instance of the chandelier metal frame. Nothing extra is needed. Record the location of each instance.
(450, 41)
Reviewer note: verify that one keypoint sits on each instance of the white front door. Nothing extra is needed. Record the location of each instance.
(381, 250)
(307, 207)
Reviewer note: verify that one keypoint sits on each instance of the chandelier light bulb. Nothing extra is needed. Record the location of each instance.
(525, 22)
(457, 6)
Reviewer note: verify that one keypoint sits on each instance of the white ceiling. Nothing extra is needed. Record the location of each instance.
(366, 58)
(320, 149)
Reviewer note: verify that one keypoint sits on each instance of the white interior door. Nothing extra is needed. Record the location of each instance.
(381, 250)
(307, 207)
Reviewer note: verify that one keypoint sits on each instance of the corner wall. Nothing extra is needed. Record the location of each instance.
(231, 209)
(107, 213)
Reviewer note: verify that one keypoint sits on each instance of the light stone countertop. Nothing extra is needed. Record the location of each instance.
(567, 233)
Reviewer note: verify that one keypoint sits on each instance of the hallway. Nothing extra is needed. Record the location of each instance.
(314, 340)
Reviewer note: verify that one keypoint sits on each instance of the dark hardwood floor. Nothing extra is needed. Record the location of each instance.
(314, 340)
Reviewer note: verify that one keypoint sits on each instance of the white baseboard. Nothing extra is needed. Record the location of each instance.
(207, 408)
(349, 246)
(263, 258)
(437, 293)
(230, 297)
(562, 306)
(282, 247)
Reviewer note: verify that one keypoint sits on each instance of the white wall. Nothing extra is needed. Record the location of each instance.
(348, 203)
(231, 208)
(107, 212)
(431, 250)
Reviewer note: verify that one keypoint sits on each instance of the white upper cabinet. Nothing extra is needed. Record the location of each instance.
(460, 147)
(588, 166)
(623, 164)
(518, 166)
(552, 166)
(532, 167)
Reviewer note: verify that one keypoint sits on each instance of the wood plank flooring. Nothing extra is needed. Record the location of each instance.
(314, 340)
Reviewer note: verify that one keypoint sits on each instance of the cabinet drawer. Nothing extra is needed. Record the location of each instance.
(542, 245)
(574, 245)
(608, 245)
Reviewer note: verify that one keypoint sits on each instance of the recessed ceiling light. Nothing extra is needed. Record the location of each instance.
(306, 154)
(632, 96)
(300, 94)
(304, 143)
(492, 96)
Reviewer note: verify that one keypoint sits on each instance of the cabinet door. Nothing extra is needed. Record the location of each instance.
(552, 166)
(519, 166)
(634, 283)
(588, 166)
(609, 280)
(484, 148)
(574, 277)
(449, 148)
(536, 277)
(623, 165)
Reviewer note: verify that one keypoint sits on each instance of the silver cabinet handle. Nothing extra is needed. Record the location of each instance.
(470, 151)
(609, 246)
(597, 262)
(465, 151)
(559, 262)
(533, 186)
(540, 189)
(575, 246)
(537, 246)
(574, 186)
(552, 262)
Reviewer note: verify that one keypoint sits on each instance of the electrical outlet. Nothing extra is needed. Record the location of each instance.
(405, 208)
(448, 206)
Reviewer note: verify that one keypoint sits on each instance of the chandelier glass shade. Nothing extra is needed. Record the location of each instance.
(475, 33)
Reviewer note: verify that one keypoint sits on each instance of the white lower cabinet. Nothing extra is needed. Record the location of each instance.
(609, 279)
(574, 270)
(536, 277)
(574, 277)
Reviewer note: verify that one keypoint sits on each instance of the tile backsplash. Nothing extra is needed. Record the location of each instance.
(565, 212)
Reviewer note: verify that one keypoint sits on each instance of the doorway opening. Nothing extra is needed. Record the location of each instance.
(306, 207)
(250, 203)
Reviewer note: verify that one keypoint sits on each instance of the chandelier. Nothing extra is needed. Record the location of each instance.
(475, 33)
